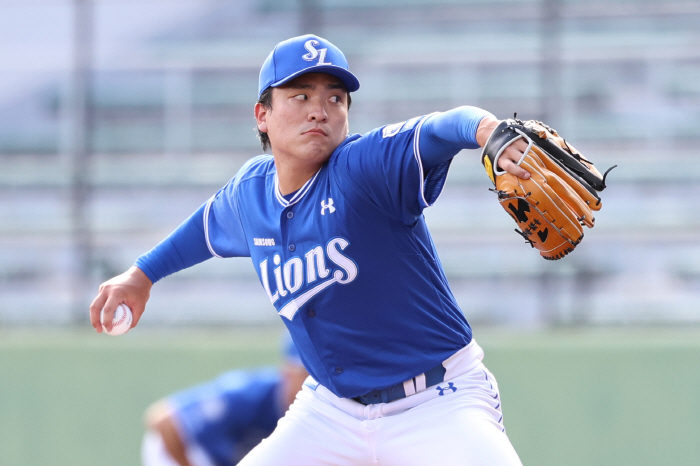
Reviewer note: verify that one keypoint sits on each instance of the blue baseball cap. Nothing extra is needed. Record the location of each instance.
(305, 54)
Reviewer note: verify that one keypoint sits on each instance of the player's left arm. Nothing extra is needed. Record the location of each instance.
(444, 134)
(511, 155)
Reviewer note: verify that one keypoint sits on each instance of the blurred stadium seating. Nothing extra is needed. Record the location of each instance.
(170, 120)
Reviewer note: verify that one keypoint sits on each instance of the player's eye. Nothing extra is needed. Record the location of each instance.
(336, 99)
(301, 97)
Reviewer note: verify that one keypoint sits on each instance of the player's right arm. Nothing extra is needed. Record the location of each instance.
(184, 247)
(212, 230)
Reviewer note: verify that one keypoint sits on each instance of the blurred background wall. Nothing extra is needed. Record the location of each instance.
(118, 118)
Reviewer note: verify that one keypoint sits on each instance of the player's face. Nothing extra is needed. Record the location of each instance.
(308, 119)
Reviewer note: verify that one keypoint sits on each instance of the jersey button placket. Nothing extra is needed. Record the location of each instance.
(289, 215)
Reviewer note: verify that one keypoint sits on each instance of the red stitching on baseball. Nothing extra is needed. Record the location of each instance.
(123, 318)
(120, 320)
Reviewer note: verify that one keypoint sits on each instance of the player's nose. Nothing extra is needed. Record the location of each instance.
(317, 111)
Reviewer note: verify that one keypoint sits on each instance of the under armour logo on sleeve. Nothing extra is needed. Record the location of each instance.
(327, 205)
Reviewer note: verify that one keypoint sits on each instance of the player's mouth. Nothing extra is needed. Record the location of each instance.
(315, 131)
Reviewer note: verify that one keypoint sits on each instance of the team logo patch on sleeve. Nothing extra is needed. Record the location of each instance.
(392, 130)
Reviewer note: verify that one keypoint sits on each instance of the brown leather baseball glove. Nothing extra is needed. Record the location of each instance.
(561, 194)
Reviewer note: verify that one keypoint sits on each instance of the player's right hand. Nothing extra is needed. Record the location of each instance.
(132, 288)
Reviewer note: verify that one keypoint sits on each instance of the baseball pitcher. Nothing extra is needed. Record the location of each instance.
(334, 225)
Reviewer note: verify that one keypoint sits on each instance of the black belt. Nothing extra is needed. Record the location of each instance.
(386, 395)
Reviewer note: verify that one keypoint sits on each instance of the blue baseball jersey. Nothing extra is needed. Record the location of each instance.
(231, 414)
(347, 260)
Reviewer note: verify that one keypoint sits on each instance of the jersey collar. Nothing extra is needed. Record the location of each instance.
(304, 189)
(298, 195)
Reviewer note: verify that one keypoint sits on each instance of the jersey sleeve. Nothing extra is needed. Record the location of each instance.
(223, 225)
(444, 134)
(214, 230)
(384, 166)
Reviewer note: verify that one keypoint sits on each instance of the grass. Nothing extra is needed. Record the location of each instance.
(575, 397)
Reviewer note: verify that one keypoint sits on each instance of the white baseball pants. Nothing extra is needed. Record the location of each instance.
(457, 422)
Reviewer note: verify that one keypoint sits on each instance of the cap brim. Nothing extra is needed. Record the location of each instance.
(349, 80)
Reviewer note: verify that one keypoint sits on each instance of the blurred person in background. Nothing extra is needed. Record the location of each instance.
(218, 422)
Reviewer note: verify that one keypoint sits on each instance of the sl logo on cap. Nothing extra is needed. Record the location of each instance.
(310, 45)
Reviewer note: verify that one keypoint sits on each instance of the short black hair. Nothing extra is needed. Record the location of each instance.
(266, 101)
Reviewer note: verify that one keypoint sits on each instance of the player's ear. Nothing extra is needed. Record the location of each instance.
(261, 112)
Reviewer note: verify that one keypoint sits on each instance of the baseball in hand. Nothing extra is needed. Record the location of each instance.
(121, 323)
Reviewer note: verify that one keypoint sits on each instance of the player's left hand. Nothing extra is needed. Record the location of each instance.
(508, 161)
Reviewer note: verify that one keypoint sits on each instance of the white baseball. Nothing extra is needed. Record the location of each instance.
(121, 322)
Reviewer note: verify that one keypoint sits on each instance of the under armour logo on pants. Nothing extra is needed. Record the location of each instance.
(450, 386)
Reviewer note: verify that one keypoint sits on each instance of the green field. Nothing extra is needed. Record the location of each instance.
(593, 397)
